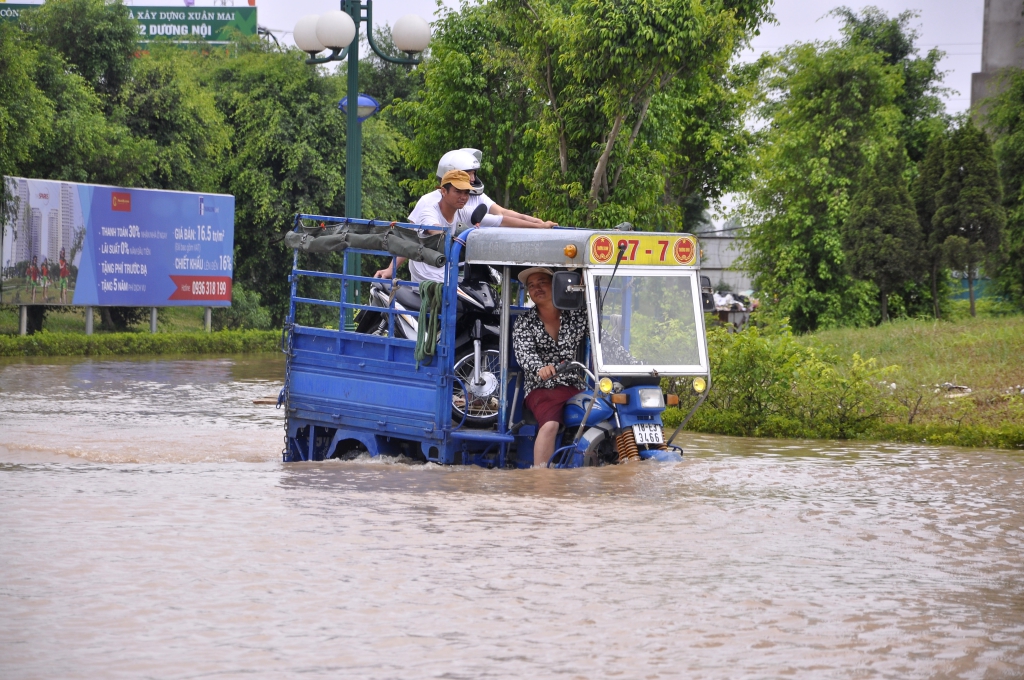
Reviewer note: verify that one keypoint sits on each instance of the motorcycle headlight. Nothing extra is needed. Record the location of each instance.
(652, 398)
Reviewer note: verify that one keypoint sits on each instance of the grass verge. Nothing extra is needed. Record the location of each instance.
(957, 382)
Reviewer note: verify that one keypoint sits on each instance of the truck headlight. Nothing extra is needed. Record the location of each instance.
(651, 398)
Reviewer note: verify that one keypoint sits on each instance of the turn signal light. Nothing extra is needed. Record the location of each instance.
(569, 250)
(620, 398)
(672, 400)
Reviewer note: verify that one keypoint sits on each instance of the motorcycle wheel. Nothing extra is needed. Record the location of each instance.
(481, 407)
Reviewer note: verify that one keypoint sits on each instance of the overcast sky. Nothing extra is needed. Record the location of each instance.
(953, 26)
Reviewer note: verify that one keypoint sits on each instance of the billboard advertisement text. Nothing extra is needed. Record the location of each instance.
(212, 24)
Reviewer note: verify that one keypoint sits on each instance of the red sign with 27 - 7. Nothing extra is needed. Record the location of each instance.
(643, 249)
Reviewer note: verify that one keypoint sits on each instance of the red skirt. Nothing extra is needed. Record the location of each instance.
(546, 404)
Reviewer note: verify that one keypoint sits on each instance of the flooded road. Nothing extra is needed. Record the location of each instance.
(148, 529)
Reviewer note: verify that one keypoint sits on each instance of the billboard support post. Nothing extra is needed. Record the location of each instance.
(24, 320)
(208, 319)
(88, 320)
(152, 319)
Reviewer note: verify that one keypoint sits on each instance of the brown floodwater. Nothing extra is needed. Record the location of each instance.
(149, 529)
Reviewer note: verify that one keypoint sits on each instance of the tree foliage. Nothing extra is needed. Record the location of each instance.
(1006, 117)
(168, 103)
(825, 105)
(588, 112)
(881, 237)
(918, 99)
(968, 203)
(474, 96)
(599, 67)
(924, 190)
(97, 38)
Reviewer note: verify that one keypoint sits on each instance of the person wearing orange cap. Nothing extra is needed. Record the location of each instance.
(451, 209)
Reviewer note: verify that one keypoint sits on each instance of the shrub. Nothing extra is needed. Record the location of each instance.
(245, 312)
(765, 383)
(76, 344)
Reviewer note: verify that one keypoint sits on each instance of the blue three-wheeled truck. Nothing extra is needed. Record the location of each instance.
(433, 377)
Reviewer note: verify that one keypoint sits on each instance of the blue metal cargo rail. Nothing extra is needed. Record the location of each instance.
(346, 390)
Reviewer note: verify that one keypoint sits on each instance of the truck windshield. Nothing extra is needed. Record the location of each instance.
(649, 320)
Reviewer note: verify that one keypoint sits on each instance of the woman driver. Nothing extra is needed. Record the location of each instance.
(544, 337)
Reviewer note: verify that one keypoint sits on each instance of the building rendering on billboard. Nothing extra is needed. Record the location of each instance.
(94, 245)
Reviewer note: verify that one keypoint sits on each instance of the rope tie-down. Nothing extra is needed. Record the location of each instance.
(431, 296)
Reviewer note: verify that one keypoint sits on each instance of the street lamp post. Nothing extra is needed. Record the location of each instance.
(338, 32)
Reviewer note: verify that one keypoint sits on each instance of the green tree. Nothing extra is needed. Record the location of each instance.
(1006, 118)
(245, 312)
(881, 237)
(168, 103)
(97, 38)
(287, 156)
(25, 112)
(598, 68)
(82, 143)
(824, 105)
(924, 191)
(701, 127)
(968, 203)
(55, 125)
(475, 96)
(919, 99)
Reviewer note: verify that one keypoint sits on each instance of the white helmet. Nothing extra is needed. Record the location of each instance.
(462, 159)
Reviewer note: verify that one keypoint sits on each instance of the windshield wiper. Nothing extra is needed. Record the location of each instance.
(600, 298)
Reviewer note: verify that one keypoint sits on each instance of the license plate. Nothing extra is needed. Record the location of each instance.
(647, 433)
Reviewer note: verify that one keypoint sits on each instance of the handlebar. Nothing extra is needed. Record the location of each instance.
(564, 366)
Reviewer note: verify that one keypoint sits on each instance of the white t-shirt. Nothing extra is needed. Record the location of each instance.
(428, 203)
(428, 213)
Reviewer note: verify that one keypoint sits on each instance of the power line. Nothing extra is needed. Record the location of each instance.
(970, 44)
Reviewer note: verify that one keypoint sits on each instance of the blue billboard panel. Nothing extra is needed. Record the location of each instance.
(87, 244)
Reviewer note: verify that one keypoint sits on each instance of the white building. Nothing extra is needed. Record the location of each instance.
(35, 234)
(67, 219)
(719, 250)
(20, 250)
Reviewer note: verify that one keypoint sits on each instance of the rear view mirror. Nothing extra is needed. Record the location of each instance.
(707, 294)
(478, 215)
(567, 290)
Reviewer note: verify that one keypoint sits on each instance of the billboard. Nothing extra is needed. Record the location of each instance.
(213, 24)
(87, 244)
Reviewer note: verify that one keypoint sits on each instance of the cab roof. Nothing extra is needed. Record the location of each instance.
(537, 247)
(527, 247)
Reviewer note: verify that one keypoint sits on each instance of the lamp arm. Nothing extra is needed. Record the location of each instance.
(335, 55)
(373, 45)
